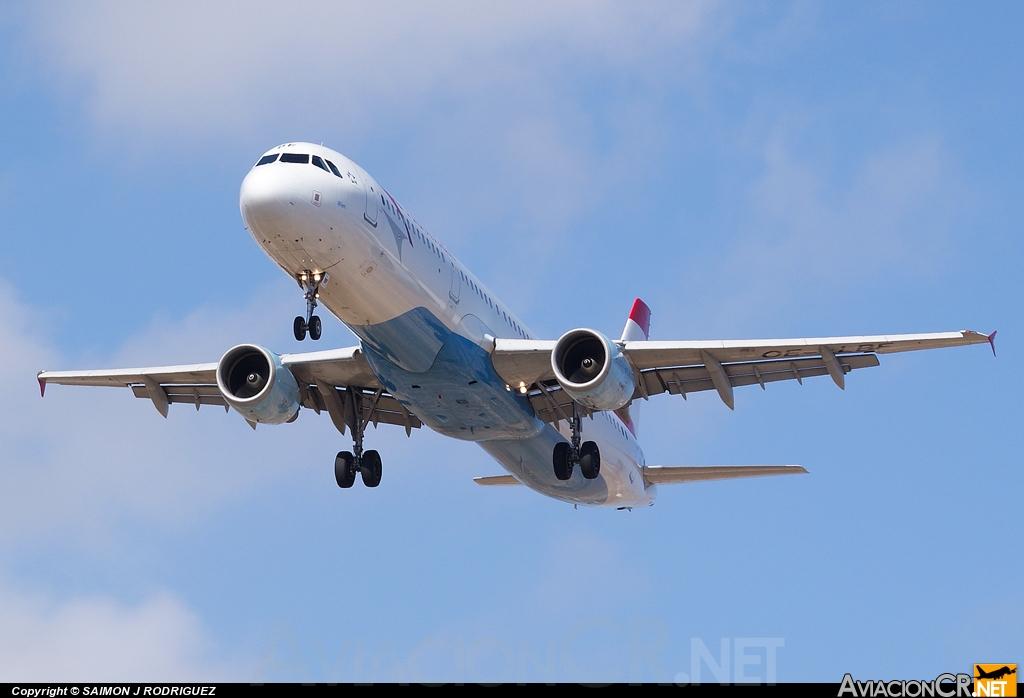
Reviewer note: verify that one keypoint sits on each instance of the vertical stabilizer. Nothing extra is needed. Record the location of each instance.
(638, 328)
(638, 324)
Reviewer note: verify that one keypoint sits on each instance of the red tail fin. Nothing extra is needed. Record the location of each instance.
(638, 324)
(638, 328)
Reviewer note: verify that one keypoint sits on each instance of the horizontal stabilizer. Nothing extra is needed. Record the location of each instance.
(666, 474)
(496, 480)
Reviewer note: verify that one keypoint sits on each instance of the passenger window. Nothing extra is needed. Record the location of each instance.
(298, 158)
(333, 168)
(266, 159)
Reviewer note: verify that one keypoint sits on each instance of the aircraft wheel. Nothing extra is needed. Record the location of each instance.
(299, 328)
(344, 469)
(561, 462)
(371, 468)
(314, 328)
(590, 460)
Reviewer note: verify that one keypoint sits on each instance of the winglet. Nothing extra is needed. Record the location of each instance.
(42, 383)
(992, 342)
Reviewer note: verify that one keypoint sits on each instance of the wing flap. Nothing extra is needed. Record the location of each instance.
(552, 404)
(668, 474)
(190, 394)
(692, 379)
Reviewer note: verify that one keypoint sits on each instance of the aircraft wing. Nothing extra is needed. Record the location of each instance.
(682, 367)
(333, 381)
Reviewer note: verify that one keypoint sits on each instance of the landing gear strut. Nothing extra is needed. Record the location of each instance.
(346, 463)
(586, 455)
(310, 283)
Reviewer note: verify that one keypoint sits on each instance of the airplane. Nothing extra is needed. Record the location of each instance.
(995, 674)
(437, 348)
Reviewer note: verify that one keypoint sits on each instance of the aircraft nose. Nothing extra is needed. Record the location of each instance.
(268, 194)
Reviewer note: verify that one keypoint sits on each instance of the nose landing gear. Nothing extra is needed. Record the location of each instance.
(567, 456)
(310, 283)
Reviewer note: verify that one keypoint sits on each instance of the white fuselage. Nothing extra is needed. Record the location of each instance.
(424, 321)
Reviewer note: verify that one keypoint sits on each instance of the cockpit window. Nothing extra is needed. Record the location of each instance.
(300, 158)
(333, 168)
(318, 161)
(266, 159)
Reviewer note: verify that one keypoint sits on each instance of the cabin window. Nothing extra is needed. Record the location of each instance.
(266, 159)
(298, 158)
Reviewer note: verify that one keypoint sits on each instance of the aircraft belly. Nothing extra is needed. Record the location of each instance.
(445, 379)
(529, 460)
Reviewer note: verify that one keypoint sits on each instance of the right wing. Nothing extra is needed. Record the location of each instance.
(682, 367)
(337, 381)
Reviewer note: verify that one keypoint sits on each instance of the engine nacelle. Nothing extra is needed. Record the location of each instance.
(592, 370)
(255, 382)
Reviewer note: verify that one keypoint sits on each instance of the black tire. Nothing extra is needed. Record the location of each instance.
(590, 460)
(314, 328)
(371, 468)
(299, 328)
(561, 462)
(344, 469)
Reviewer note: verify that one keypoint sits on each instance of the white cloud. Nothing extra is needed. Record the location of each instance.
(492, 97)
(199, 67)
(98, 639)
(810, 231)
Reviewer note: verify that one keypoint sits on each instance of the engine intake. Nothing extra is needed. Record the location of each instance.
(592, 370)
(257, 385)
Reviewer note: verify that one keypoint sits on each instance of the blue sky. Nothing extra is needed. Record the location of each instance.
(750, 170)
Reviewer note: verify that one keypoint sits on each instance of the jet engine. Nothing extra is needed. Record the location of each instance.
(255, 382)
(592, 370)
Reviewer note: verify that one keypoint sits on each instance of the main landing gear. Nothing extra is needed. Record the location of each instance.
(586, 455)
(310, 283)
(347, 464)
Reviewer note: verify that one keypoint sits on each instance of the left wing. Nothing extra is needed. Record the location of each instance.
(681, 367)
(337, 381)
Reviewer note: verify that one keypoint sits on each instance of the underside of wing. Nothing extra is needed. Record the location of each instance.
(338, 381)
(667, 474)
(684, 367)
(645, 355)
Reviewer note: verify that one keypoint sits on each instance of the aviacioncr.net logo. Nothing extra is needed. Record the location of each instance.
(943, 686)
